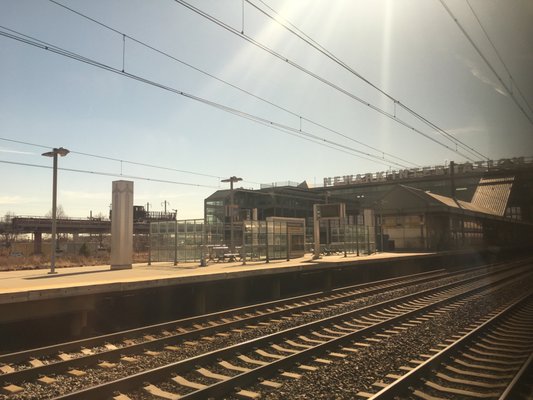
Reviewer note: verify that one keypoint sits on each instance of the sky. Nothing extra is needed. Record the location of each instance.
(228, 90)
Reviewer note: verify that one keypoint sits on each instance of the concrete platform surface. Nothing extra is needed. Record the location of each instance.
(27, 285)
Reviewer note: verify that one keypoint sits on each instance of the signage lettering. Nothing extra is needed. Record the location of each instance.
(438, 170)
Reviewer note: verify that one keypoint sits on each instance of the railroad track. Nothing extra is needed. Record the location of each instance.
(218, 372)
(491, 362)
(74, 358)
(239, 315)
(30, 364)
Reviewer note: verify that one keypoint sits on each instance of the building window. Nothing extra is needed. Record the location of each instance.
(514, 213)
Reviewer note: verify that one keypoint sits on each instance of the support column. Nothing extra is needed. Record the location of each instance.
(200, 303)
(276, 289)
(37, 243)
(328, 281)
(122, 225)
(78, 323)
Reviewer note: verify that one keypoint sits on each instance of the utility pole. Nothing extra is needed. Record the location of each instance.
(452, 179)
(164, 204)
(231, 180)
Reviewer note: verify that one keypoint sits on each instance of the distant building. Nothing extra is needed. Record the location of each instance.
(499, 190)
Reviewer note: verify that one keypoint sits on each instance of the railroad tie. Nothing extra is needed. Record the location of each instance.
(213, 375)
(12, 389)
(321, 335)
(307, 367)
(306, 339)
(121, 396)
(269, 355)
(34, 362)
(291, 375)
(252, 360)
(76, 372)
(107, 365)
(233, 367)
(155, 391)
(284, 349)
(470, 382)
(478, 374)
(295, 344)
(180, 380)
(461, 392)
(271, 384)
(7, 369)
(425, 396)
(365, 395)
(46, 380)
(248, 394)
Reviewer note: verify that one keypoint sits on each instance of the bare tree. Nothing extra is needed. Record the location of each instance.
(6, 229)
(60, 213)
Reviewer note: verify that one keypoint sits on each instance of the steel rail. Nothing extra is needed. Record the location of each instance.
(402, 384)
(157, 374)
(513, 389)
(329, 296)
(27, 374)
(189, 321)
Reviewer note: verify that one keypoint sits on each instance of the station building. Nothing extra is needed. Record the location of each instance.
(430, 208)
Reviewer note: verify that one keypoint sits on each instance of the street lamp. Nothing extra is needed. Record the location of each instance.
(175, 233)
(62, 152)
(231, 180)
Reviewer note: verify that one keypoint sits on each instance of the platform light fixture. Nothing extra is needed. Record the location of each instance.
(54, 153)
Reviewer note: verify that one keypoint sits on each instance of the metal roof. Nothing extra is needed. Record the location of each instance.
(493, 194)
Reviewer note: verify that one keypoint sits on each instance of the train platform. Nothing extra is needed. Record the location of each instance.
(36, 307)
(38, 284)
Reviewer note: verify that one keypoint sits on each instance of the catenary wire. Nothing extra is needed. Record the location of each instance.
(513, 82)
(110, 174)
(114, 159)
(174, 58)
(480, 53)
(60, 51)
(311, 42)
(316, 76)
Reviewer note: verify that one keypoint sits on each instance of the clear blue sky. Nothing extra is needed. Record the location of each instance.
(411, 49)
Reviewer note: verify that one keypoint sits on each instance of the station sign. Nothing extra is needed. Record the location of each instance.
(439, 170)
(331, 211)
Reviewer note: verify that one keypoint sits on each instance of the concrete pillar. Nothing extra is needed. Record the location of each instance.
(276, 289)
(200, 305)
(122, 225)
(37, 243)
(328, 281)
(239, 293)
(78, 323)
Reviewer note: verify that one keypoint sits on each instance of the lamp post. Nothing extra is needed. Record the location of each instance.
(231, 180)
(175, 234)
(62, 152)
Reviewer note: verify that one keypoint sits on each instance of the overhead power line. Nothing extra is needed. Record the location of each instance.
(110, 174)
(316, 76)
(479, 52)
(294, 30)
(513, 82)
(12, 34)
(176, 59)
(114, 159)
